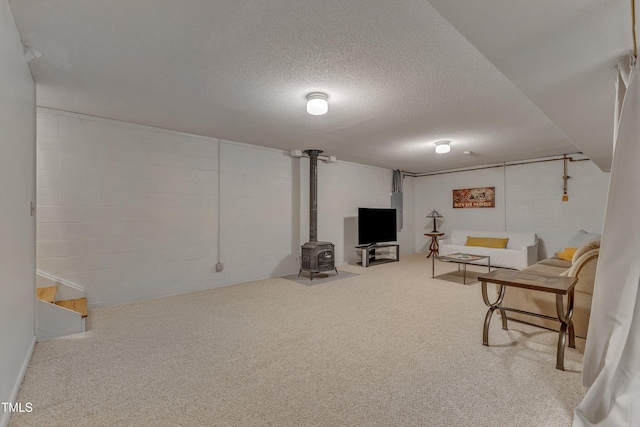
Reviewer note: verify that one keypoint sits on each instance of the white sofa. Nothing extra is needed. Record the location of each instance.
(521, 250)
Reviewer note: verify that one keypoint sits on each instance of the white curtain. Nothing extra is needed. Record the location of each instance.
(612, 356)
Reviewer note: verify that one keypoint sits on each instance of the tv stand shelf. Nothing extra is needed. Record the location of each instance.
(370, 256)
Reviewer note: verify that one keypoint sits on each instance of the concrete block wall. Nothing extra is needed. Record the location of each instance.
(123, 209)
(258, 201)
(534, 201)
(528, 198)
(17, 225)
(131, 212)
(436, 192)
(343, 188)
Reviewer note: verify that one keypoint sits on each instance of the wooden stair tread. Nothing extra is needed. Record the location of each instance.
(78, 304)
(47, 294)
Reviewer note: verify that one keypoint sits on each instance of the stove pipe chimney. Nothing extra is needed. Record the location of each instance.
(313, 194)
(315, 257)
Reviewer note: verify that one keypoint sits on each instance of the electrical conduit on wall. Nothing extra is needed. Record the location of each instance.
(219, 265)
(396, 197)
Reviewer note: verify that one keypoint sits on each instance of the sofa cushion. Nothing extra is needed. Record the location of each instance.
(545, 303)
(593, 244)
(583, 267)
(585, 270)
(517, 240)
(555, 262)
(578, 239)
(487, 242)
(546, 270)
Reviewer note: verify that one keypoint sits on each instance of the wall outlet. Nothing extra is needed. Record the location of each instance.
(219, 267)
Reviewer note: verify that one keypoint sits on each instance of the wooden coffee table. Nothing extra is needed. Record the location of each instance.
(558, 285)
(463, 259)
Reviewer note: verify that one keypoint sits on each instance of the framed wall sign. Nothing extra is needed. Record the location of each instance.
(482, 197)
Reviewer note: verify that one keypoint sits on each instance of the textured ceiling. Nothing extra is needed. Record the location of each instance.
(560, 54)
(509, 80)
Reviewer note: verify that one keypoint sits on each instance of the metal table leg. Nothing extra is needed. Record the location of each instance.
(492, 307)
(464, 273)
(567, 324)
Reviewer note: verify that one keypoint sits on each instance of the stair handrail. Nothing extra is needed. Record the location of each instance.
(60, 280)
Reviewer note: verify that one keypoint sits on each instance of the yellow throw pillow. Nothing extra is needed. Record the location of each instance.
(567, 253)
(487, 242)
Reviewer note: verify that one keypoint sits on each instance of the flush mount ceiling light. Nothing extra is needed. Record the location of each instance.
(442, 147)
(317, 104)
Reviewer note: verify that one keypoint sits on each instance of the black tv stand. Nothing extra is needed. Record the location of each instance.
(369, 254)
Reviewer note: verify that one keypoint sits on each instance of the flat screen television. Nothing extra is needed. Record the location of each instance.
(376, 225)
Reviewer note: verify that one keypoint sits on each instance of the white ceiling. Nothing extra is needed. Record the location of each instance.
(505, 79)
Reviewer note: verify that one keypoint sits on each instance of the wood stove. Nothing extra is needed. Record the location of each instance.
(317, 256)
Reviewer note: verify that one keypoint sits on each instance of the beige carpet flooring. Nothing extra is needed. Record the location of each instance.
(388, 347)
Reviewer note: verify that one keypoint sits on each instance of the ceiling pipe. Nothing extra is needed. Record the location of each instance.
(299, 153)
(499, 165)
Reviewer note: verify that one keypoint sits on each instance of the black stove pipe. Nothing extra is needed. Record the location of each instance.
(313, 194)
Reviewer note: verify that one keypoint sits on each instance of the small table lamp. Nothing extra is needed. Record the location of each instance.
(434, 214)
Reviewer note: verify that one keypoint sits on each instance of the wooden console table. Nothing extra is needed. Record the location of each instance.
(558, 285)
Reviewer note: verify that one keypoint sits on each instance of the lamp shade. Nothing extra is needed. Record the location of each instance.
(317, 104)
(442, 147)
(434, 214)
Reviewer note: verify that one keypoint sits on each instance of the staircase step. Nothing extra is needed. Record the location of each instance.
(47, 294)
(78, 304)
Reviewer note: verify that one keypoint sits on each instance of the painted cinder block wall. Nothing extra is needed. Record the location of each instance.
(17, 226)
(343, 187)
(528, 198)
(131, 212)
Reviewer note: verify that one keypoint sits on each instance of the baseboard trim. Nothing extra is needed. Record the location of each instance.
(4, 419)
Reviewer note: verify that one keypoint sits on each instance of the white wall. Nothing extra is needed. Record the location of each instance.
(534, 201)
(130, 212)
(124, 210)
(528, 198)
(17, 226)
(343, 188)
(436, 192)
